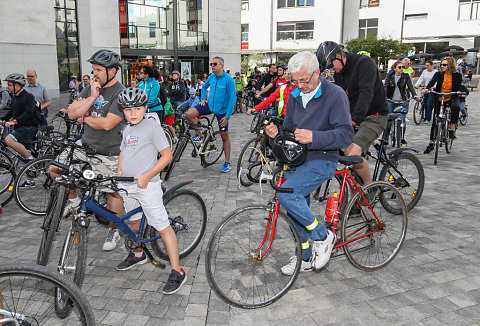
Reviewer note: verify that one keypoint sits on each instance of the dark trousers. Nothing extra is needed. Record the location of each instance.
(455, 111)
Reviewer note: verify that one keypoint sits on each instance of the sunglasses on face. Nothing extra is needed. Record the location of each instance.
(214, 64)
(400, 67)
(444, 64)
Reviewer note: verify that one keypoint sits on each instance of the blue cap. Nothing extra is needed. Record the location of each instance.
(176, 72)
(192, 91)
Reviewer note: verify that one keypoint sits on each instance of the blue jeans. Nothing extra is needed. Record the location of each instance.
(428, 106)
(305, 179)
(403, 117)
(462, 107)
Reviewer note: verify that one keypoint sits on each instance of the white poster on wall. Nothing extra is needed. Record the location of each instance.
(186, 70)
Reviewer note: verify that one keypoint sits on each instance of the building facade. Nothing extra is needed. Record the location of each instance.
(277, 27)
(56, 37)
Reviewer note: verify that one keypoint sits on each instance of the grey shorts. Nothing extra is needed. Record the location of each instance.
(370, 129)
(100, 164)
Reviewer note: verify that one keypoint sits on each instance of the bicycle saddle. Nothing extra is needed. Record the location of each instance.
(393, 116)
(350, 160)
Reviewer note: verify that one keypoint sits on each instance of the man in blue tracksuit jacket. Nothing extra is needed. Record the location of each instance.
(221, 102)
(319, 113)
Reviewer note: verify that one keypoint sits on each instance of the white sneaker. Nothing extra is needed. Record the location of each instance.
(112, 240)
(290, 267)
(70, 206)
(321, 250)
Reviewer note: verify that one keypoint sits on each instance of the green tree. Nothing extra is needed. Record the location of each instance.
(380, 49)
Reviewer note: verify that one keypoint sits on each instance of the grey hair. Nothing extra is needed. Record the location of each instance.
(304, 59)
(220, 59)
(405, 60)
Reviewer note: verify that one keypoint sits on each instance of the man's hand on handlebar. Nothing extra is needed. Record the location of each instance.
(271, 130)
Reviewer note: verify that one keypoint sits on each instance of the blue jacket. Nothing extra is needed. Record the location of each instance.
(328, 116)
(190, 102)
(222, 95)
(151, 87)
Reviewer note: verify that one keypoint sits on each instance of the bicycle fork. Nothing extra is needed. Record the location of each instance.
(257, 254)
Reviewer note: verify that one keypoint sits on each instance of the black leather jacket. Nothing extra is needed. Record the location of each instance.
(402, 84)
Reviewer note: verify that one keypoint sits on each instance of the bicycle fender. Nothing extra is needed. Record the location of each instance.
(175, 188)
(398, 151)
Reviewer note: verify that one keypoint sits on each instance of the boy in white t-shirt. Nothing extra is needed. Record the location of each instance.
(142, 140)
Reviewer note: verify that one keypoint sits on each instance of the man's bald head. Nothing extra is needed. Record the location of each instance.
(31, 76)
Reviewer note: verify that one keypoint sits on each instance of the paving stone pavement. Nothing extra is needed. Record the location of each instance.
(435, 279)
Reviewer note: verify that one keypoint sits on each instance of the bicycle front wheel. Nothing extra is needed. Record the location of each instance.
(376, 235)
(7, 179)
(212, 149)
(26, 295)
(72, 265)
(408, 178)
(235, 270)
(33, 186)
(187, 215)
(250, 163)
(438, 141)
(58, 198)
(417, 113)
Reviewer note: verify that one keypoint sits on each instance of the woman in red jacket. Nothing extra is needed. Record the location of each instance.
(281, 93)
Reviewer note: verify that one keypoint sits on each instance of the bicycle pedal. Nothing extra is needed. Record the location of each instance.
(158, 264)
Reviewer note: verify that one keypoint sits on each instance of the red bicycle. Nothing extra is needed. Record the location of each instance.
(249, 246)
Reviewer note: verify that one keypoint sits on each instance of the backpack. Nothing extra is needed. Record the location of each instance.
(168, 108)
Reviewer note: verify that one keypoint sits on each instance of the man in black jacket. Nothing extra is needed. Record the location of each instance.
(176, 90)
(22, 115)
(358, 75)
(267, 80)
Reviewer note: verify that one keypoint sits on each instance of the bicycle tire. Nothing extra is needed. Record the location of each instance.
(75, 243)
(410, 182)
(250, 160)
(168, 135)
(438, 140)
(255, 121)
(399, 131)
(417, 113)
(364, 252)
(448, 140)
(182, 143)
(184, 206)
(7, 180)
(232, 268)
(210, 151)
(35, 285)
(51, 222)
(34, 200)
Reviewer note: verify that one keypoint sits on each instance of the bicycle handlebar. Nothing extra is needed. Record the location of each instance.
(399, 102)
(446, 93)
(277, 188)
(98, 178)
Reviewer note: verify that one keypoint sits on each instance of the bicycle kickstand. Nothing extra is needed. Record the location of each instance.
(155, 262)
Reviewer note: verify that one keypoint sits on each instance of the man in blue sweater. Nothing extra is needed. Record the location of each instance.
(221, 102)
(319, 113)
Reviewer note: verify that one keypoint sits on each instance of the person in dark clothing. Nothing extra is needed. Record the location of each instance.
(447, 80)
(358, 75)
(397, 86)
(267, 80)
(22, 115)
(176, 90)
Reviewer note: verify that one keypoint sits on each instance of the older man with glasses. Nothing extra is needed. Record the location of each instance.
(40, 93)
(423, 80)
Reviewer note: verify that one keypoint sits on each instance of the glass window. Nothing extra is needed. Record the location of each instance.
(295, 30)
(152, 29)
(416, 16)
(468, 10)
(245, 4)
(60, 15)
(367, 27)
(369, 3)
(244, 32)
(305, 3)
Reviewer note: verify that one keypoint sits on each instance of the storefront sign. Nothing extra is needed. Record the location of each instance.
(244, 46)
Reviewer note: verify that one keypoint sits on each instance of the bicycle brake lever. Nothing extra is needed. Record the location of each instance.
(266, 176)
(242, 171)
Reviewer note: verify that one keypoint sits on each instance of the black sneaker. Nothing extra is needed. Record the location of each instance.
(131, 261)
(403, 142)
(27, 184)
(175, 282)
(451, 134)
(430, 148)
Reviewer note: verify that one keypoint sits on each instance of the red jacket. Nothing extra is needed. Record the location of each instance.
(274, 96)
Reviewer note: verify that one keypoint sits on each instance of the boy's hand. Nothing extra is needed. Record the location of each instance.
(142, 181)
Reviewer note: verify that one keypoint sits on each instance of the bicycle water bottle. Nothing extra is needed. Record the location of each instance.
(332, 207)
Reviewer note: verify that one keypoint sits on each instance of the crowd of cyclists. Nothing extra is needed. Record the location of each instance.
(331, 100)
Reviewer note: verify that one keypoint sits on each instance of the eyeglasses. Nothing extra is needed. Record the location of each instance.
(400, 67)
(298, 82)
(330, 66)
(213, 64)
(444, 64)
(140, 72)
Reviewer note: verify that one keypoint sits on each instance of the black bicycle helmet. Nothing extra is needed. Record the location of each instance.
(326, 53)
(16, 78)
(132, 97)
(106, 58)
(289, 151)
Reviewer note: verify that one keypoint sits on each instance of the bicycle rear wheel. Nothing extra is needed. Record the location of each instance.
(234, 269)
(249, 166)
(58, 198)
(188, 217)
(72, 265)
(33, 186)
(438, 141)
(212, 149)
(448, 140)
(7, 179)
(418, 113)
(376, 235)
(409, 180)
(26, 294)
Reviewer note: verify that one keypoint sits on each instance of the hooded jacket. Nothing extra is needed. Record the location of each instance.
(222, 95)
